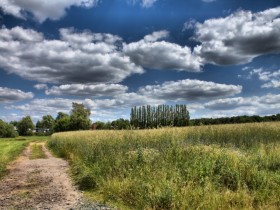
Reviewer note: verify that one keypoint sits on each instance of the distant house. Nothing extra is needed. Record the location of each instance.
(41, 130)
(93, 126)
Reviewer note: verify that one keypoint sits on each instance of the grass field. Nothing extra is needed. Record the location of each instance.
(207, 167)
(10, 148)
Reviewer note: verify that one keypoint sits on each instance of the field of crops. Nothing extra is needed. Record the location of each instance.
(207, 167)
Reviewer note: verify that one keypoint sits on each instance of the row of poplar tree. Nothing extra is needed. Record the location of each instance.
(158, 116)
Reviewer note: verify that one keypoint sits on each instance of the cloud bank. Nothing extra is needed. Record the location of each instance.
(43, 9)
(8, 95)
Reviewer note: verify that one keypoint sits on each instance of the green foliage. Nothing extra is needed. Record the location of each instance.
(48, 122)
(206, 167)
(234, 120)
(25, 126)
(162, 115)
(120, 124)
(62, 123)
(7, 130)
(79, 118)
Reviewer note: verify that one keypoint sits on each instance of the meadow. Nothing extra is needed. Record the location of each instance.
(11, 148)
(205, 167)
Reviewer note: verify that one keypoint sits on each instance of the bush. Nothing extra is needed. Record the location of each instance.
(7, 130)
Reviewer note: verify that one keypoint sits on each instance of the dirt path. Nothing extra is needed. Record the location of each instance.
(38, 184)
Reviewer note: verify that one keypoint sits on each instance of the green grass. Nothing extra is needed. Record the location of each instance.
(208, 167)
(10, 148)
(37, 152)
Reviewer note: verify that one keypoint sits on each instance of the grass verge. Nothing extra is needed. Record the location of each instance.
(37, 152)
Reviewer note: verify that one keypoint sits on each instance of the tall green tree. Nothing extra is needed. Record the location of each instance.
(62, 122)
(162, 115)
(25, 126)
(48, 122)
(79, 118)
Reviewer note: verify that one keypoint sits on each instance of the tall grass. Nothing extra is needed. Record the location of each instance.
(209, 167)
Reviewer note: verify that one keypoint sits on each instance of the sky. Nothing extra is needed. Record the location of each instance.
(219, 57)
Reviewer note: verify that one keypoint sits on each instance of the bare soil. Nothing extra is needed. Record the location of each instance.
(39, 184)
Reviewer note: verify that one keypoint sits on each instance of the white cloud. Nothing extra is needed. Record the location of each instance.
(87, 90)
(78, 57)
(271, 78)
(236, 38)
(189, 90)
(190, 24)
(152, 53)
(261, 105)
(8, 95)
(43, 9)
(230, 103)
(272, 84)
(41, 86)
(143, 3)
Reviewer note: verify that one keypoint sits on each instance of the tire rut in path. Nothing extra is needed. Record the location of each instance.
(38, 184)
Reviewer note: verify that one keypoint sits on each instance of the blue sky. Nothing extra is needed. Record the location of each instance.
(219, 57)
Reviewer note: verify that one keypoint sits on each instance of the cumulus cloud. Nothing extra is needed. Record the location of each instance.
(77, 57)
(43, 9)
(261, 105)
(236, 39)
(153, 52)
(88, 90)
(105, 108)
(227, 107)
(45, 106)
(8, 95)
(190, 90)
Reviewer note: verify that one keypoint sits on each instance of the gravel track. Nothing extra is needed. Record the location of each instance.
(41, 184)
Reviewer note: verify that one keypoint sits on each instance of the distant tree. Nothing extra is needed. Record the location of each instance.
(62, 124)
(100, 125)
(162, 115)
(25, 126)
(79, 118)
(7, 130)
(48, 122)
(39, 124)
(120, 124)
(14, 123)
(61, 115)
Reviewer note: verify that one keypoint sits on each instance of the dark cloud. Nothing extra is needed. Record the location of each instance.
(239, 37)
(8, 95)
(105, 90)
(41, 11)
(190, 90)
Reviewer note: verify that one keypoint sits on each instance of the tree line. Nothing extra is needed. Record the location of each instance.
(234, 120)
(159, 116)
(77, 120)
(141, 117)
